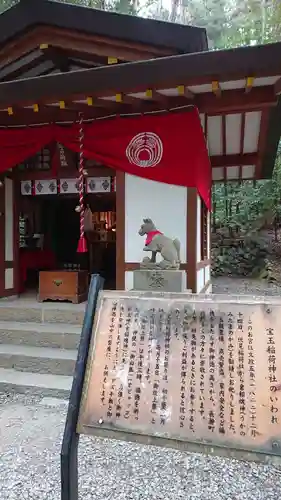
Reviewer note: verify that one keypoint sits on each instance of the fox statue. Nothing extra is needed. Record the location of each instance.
(157, 242)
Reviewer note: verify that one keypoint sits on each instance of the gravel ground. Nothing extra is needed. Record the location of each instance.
(245, 286)
(30, 438)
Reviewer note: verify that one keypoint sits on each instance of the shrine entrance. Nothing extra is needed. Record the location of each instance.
(49, 233)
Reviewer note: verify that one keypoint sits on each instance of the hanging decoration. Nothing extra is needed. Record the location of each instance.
(169, 148)
(98, 185)
(82, 244)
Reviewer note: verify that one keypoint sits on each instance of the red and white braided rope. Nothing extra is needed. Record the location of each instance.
(81, 175)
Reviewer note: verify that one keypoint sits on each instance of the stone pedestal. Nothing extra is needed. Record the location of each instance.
(158, 280)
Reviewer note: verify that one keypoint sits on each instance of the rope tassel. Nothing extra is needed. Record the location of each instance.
(82, 244)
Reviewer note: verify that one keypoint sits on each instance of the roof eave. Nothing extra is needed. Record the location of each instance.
(28, 13)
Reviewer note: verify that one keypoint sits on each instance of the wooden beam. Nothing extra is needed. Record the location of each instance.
(65, 172)
(86, 61)
(68, 42)
(120, 230)
(20, 66)
(113, 106)
(249, 84)
(52, 114)
(40, 69)
(199, 67)
(153, 95)
(277, 87)
(206, 128)
(241, 142)
(73, 107)
(262, 141)
(125, 99)
(112, 60)
(234, 160)
(91, 106)
(235, 100)
(216, 89)
(185, 92)
(60, 86)
(140, 50)
(19, 47)
(223, 133)
(57, 57)
(29, 41)
(26, 116)
(191, 242)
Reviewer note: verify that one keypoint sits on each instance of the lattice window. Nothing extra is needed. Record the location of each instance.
(40, 161)
(43, 160)
(204, 231)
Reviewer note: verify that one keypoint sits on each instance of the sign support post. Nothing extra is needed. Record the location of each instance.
(69, 450)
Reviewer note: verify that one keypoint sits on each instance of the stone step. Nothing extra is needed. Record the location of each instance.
(61, 336)
(47, 313)
(38, 359)
(35, 383)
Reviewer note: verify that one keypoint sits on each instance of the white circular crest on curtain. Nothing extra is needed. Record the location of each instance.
(145, 150)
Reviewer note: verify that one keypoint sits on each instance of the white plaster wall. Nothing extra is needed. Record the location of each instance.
(9, 279)
(129, 278)
(198, 225)
(209, 235)
(209, 289)
(207, 274)
(200, 280)
(165, 204)
(9, 220)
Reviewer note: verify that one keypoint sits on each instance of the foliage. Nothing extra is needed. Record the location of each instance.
(239, 258)
(240, 206)
(240, 212)
(229, 23)
(5, 4)
(123, 6)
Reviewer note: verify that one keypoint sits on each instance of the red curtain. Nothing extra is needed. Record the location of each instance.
(166, 148)
(17, 145)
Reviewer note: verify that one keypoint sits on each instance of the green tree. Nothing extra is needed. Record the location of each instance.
(252, 22)
(122, 6)
(208, 14)
(6, 4)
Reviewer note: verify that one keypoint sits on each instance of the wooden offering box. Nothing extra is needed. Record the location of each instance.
(63, 285)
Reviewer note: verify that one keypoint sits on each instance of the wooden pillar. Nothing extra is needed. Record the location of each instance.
(120, 230)
(8, 239)
(2, 240)
(16, 237)
(191, 239)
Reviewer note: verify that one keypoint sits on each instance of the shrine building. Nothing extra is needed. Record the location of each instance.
(66, 69)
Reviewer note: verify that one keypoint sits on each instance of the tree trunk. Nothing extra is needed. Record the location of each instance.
(174, 10)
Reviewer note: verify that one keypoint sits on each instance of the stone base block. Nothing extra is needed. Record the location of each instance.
(158, 280)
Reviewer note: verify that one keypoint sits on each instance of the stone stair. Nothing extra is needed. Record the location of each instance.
(38, 346)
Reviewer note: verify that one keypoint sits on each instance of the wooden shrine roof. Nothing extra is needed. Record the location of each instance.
(28, 13)
(42, 37)
(236, 92)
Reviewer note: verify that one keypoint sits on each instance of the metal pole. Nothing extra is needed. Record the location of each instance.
(69, 449)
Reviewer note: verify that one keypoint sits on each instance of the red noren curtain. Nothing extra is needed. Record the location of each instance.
(167, 148)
